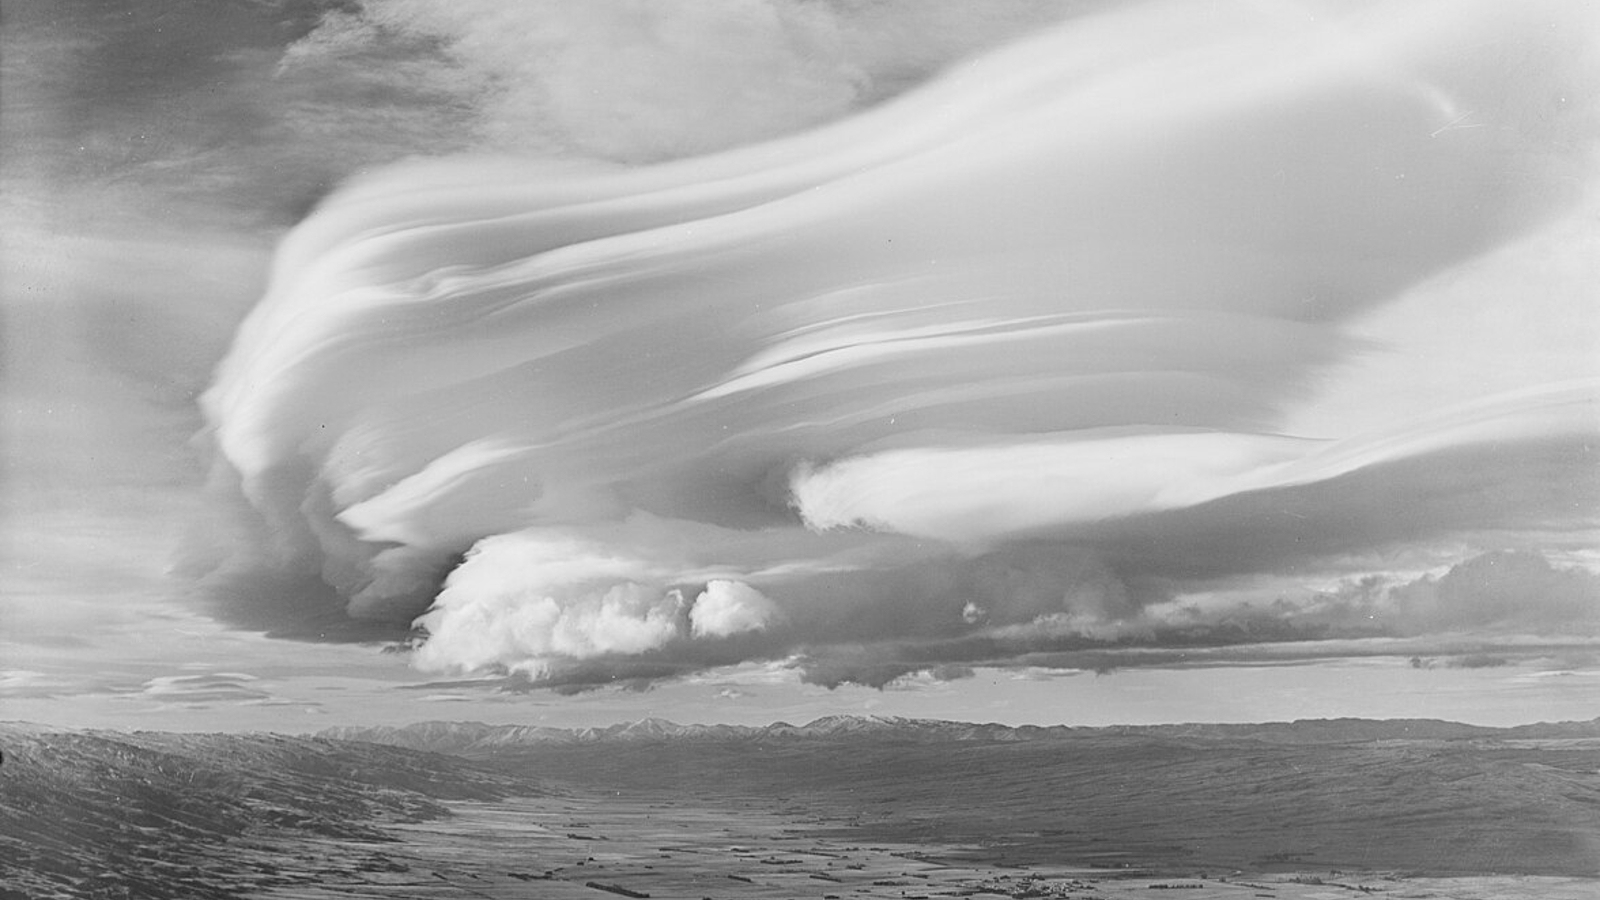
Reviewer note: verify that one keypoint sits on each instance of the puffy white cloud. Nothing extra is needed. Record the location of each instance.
(525, 598)
(730, 607)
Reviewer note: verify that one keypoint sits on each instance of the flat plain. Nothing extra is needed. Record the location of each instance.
(900, 810)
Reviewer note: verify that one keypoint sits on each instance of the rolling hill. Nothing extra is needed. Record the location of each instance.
(108, 814)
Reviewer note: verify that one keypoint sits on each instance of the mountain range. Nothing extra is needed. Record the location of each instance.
(477, 737)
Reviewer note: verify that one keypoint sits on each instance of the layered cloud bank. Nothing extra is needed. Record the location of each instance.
(984, 371)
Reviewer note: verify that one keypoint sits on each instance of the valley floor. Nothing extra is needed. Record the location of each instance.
(590, 848)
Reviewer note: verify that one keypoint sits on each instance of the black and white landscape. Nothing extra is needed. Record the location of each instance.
(843, 807)
(575, 367)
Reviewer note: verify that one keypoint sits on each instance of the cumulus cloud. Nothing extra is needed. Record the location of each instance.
(1476, 613)
(730, 607)
(984, 371)
(1499, 591)
(550, 596)
(1506, 589)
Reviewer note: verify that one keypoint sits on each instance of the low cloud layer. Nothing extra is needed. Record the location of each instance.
(987, 371)
(1505, 592)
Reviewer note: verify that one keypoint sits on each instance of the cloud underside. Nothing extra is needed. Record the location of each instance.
(987, 372)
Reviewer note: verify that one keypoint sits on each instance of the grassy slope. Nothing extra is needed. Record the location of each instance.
(100, 814)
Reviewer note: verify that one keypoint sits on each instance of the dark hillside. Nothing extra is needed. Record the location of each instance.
(92, 814)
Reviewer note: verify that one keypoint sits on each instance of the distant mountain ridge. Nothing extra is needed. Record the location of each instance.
(477, 737)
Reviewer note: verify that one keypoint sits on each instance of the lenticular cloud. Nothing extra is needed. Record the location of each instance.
(925, 371)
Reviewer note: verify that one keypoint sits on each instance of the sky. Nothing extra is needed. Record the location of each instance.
(1084, 362)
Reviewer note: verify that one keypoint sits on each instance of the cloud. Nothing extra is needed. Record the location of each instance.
(638, 81)
(1036, 485)
(207, 114)
(551, 596)
(212, 687)
(1476, 613)
(730, 607)
(1499, 591)
(980, 373)
(29, 684)
(207, 690)
(557, 598)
